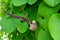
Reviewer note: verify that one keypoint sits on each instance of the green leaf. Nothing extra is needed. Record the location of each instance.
(54, 26)
(37, 30)
(9, 25)
(52, 3)
(43, 22)
(16, 8)
(19, 2)
(22, 28)
(43, 35)
(31, 1)
(46, 11)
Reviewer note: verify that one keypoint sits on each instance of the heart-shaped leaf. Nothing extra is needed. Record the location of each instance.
(47, 11)
(43, 35)
(9, 25)
(54, 26)
(52, 3)
(22, 28)
(43, 22)
(19, 2)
